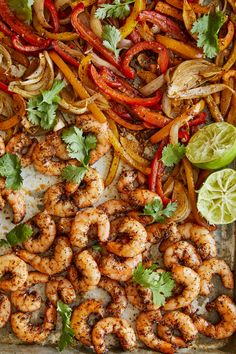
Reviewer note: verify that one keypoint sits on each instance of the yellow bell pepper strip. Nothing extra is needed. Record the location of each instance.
(196, 7)
(183, 118)
(185, 50)
(116, 159)
(131, 22)
(126, 143)
(77, 85)
(225, 42)
(20, 108)
(83, 72)
(169, 10)
(232, 58)
(213, 108)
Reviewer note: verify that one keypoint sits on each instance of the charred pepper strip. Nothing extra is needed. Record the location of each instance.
(4, 29)
(67, 57)
(53, 13)
(27, 49)
(147, 115)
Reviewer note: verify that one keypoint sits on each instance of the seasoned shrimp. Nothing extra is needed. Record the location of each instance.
(82, 222)
(191, 282)
(2, 147)
(118, 326)
(60, 260)
(32, 333)
(211, 267)
(144, 324)
(199, 235)
(137, 238)
(90, 274)
(5, 309)
(22, 145)
(117, 292)
(182, 252)
(140, 297)
(79, 320)
(9, 263)
(90, 125)
(23, 299)
(60, 286)
(140, 197)
(114, 206)
(63, 226)
(130, 180)
(226, 308)
(44, 238)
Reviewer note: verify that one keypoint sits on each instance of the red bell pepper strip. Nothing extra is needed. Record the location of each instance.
(135, 36)
(21, 28)
(163, 22)
(184, 136)
(137, 48)
(53, 13)
(90, 36)
(121, 97)
(27, 49)
(4, 88)
(67, 57)
(120, 110)
(200, 119)
(4, 29)
(151, 117)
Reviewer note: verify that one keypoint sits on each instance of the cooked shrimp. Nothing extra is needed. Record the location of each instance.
(211, 267)
(114, 206)
(182, 252)
(79, 320)
(117, 292)
(191, 282)
(90, 274)
(63, 226)
(2, 147)
(199, 235)
(140, 197)
(137, 238)
(117, 268)
(118, 326)
(82, 222)
(60, 286)
(90, 125)
(226, 308)
(177, 320)
(130, 180)
(27, 301)
(154, 233)
(9, 263)
(5, 309)
(57, 203)
(60, 260)
(144, 324)
(43, 239)
(140, 297)
(31, 333)
(22, 145)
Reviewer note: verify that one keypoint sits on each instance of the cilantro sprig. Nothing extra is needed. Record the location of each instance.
(172, 154)
(156, 210)
(17, 235)
(22, 9)
(161, 284)
(117, 9)
(111, 37)
(10, 167)
(67, 334)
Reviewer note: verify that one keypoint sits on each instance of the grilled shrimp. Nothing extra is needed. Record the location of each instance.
(57, 203)
(27, 301)
(144, 324)
(5, 309)
(79, 320)
(177, 320)
(137, 239)
(63, 226)
(88, 276)
(140, 197)
(118, 326)
(140, 297)
(199, 235)
(60, 286)
(182, 252)
(90, 125)
(2, 147)
(191, 282)
(114, 206)
(130, 180)
(60, 260)
(31, 333)
(22, 146)
(9, 263)
(117, 292)
(226, 308)
(44, 238)
(82, 222)
(211, 267)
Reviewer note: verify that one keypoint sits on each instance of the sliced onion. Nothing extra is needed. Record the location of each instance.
(17, 70)
(95, 23)
(78, 107)
(202, 91)
(6, 105)
(125, 44)
(153, 86)
(183, 204)
(166, 105)
(98, 62)
(5, 58)
(38, 6)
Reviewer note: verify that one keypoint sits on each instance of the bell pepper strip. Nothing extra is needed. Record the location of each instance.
(77, 86)
(146, 76)
(116, 118)
(4, 29)
(183, 118)
(203, 174)
(232, 58)
(67, 57)
(163, 22)
(83, 72)
(15, 54)
(149, 116)
(21, 28)
(185, 50)
(90, 37)
(213, 108)
(118, 96)
(126, 143)
(225, 42)
(20, 109)
(27, 49)
(169, 10)
(131, 21)
(86, 3)
(116, 159)
(137, 48)
(4, 88)
(199, 119)
(49, 5)
(120, 110)
(196, 7)
(184, 136)
(135, 36)
(145, 32)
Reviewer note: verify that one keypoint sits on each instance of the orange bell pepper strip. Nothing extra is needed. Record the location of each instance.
(116, 118)
(20, 108)
(77, 86)
(116, 159)
(83, 72)
(225, 42)
(127, 145)
(131, 22)
(196, 7)
(169, 10)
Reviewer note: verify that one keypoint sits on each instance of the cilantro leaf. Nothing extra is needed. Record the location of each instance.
(161, 284)
(172, 154)
(67, 335)
(111, 37)
(207, 27)
(96, 247)
(19, 234)
(3, 243)
(22, 9)
(156, 210)
(117, 9)
(73, 173)
(10, 167)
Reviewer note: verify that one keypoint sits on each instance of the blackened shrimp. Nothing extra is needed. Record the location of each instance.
(5, 309)
(22, 145)
(182, 252)
(9, 263)
(119, 302)
(60, 287)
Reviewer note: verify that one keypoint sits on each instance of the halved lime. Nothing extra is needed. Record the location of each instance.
(213, 146)
(217, 197)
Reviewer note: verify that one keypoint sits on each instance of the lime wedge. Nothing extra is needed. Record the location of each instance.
(213, 146)
(217, 197)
